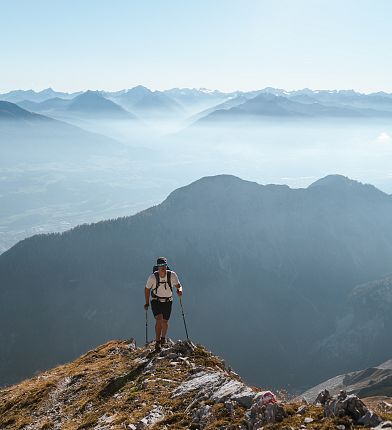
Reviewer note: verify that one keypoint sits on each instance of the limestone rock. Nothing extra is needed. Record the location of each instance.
(387, 425)
(349, 405)
(151, 418)
(259, 415)
(323, 397)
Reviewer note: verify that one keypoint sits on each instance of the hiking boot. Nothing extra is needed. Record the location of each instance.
(157, 345)
(163, 342)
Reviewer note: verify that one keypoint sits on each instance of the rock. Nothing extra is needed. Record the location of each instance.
(370, 419)
(259, 415)
(150, 366)
(302, 410)
(229, 405)
(350, 405)
(151, 418)
(341, 427)
(244, 397)
(236, 391)
(206, 381)
(132, 344)
(323, 397)
(218, 387)
(203, 416)
(308, 420)
(183, 347)
(385, 406)
(384, 425)
(172, 356)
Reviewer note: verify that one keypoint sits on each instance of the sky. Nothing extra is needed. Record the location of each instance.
(228, 45)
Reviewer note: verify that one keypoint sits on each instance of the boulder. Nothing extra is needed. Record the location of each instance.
(260, 415)
(348, 405)
(323, 397)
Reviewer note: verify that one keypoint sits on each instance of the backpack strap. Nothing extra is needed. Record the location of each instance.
(168, 275)
(157, 282)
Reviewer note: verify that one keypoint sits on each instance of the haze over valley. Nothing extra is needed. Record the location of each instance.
(73, 158)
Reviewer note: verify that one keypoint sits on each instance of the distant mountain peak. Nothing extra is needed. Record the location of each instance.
(333, 180)
(340, 182)
(94, 102)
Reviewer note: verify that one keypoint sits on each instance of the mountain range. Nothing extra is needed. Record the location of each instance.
(90, 104)
(210, 107)
(267, 105)
(266, 269)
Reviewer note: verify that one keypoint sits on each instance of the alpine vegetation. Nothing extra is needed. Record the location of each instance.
(182, 386)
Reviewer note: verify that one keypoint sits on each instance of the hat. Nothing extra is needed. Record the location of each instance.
(162, 261)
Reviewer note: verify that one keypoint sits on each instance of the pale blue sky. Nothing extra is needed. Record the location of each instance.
(223, 44)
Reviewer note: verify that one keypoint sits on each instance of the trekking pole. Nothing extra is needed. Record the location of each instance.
(183, 317)
(146, 329)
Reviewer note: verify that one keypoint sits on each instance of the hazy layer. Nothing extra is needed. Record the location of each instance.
(50, 186)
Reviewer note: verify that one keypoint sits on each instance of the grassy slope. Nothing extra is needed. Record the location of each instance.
(110, 386)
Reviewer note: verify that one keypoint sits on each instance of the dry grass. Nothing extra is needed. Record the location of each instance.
(112, 381)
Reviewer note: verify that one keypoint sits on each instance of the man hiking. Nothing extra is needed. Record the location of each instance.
(160, 283)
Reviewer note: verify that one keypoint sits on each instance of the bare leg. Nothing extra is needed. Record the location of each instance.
(165, 326)
(158, 327)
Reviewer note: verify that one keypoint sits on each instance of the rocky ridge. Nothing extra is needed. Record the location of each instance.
(369, 382)
(120, 386)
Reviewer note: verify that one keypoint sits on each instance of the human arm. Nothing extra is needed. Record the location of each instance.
(147, 289)
(177, 284)
(179, 289)
(147, 297)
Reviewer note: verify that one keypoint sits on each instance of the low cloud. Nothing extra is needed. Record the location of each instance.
(384, 137)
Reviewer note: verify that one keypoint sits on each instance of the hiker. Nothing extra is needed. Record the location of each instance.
(160, 283)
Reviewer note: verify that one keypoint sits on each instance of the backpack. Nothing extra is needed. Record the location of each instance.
(157, 282)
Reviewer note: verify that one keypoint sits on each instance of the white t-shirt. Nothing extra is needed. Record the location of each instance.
(163, 288)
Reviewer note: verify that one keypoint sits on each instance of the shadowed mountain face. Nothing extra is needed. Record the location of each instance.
(363, 333)
(92, 103)
(31, 137)
(267, 273)
(146, 103)
(12, 112)
(88, 105)
(271, 105)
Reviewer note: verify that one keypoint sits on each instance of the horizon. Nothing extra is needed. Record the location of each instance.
(41, 89)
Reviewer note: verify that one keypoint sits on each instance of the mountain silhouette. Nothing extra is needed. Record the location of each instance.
(270, 105)
(92, 103)
(12, 112)
(29, 137)
(146, 103)
(17, 96)
(48, 105)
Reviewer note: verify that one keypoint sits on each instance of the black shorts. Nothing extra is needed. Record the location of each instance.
(163, 308)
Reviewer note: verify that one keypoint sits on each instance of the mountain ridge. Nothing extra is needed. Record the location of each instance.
(184, 386)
